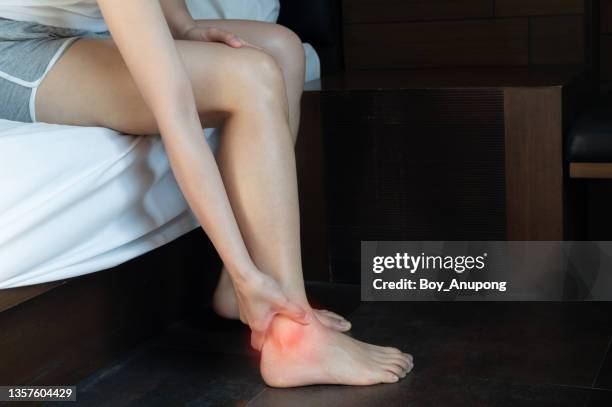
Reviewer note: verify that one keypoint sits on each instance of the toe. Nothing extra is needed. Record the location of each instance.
(402, 360)
(388, 377)
(387, 353)
(406, 365)
(386, 349)
(382, 358)
(404, 356)
(379, 349)
(395, 369)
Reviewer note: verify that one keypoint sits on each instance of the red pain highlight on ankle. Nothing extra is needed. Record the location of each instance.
(286, 334)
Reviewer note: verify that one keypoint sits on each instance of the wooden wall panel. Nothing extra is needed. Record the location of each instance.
(504, 8)
(437, 44)
(412, 164)
(557, 40)
(367, 11)
(606, 58)
(534, 163)
(605, 42)
(606, 16)
(404, 34)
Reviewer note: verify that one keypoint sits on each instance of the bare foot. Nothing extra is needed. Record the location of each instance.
(300, 355)
(226, 306)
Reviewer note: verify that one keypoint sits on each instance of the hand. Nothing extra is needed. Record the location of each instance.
(212, 34)
(260, 298)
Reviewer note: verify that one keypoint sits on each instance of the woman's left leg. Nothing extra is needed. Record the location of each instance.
(287, 50)
(284, 46)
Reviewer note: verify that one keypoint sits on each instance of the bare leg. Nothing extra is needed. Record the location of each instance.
(284, 46)
(243, 92)
(287, 50)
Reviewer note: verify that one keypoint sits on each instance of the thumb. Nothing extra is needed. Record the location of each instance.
(233, 40)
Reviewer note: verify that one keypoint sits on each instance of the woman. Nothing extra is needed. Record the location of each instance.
(162, 72)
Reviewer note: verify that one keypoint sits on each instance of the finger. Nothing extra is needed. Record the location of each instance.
(322, 316)
(262, 322)
(295, 312)
(225, 37)
(328, 315)
(241, 313)
(251, 45)
(234, 41)
(257, 326)
(333, 314)
(257, 340)
(335, 324)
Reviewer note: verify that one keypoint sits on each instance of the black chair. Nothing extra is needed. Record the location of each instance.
(589, 142)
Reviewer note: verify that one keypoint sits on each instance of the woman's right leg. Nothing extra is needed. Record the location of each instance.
(234, 90)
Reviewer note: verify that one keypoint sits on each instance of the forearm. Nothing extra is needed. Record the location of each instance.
(146, 45)
(178, 17)
(198, 176)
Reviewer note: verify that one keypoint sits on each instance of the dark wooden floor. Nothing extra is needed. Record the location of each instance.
(466, 354)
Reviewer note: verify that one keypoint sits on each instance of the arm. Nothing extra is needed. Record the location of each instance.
(146, 45)
(178, 17)
(150, 54)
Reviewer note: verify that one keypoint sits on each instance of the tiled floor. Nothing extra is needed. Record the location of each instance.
(466, 354)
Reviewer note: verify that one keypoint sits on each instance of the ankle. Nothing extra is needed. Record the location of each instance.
(284, 334)
(287, 346)
(296, 294)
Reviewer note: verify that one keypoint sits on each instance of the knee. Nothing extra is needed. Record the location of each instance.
(287, 48)
(284, 43)
(260, 78)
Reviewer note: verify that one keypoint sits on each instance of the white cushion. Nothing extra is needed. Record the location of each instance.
(261, 10)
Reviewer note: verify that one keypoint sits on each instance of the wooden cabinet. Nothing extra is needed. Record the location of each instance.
(444, 155)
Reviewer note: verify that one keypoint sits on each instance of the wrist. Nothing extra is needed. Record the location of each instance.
(241, 272)
(182, 33)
